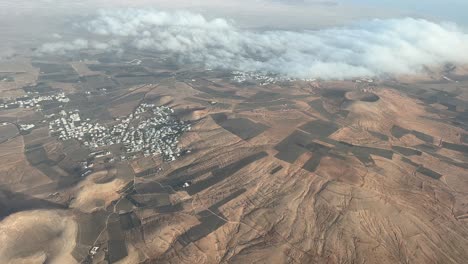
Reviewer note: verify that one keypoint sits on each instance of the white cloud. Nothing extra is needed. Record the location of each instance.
(372, 48)
(63, 46)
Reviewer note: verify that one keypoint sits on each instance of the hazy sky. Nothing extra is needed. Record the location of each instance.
(447, 9)
(452, 10)
(274, 13)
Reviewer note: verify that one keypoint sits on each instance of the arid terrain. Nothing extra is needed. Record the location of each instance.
(265, 170)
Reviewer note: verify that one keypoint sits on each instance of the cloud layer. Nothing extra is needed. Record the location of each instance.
(372, 48)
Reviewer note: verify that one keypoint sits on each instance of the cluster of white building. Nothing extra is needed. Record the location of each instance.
(26, 127)
(68, 125)
(364, 80)
(156, 131)
(28, 101)
(148, 130)
(263, 79)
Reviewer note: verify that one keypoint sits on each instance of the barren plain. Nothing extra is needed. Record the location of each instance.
(289, 171)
